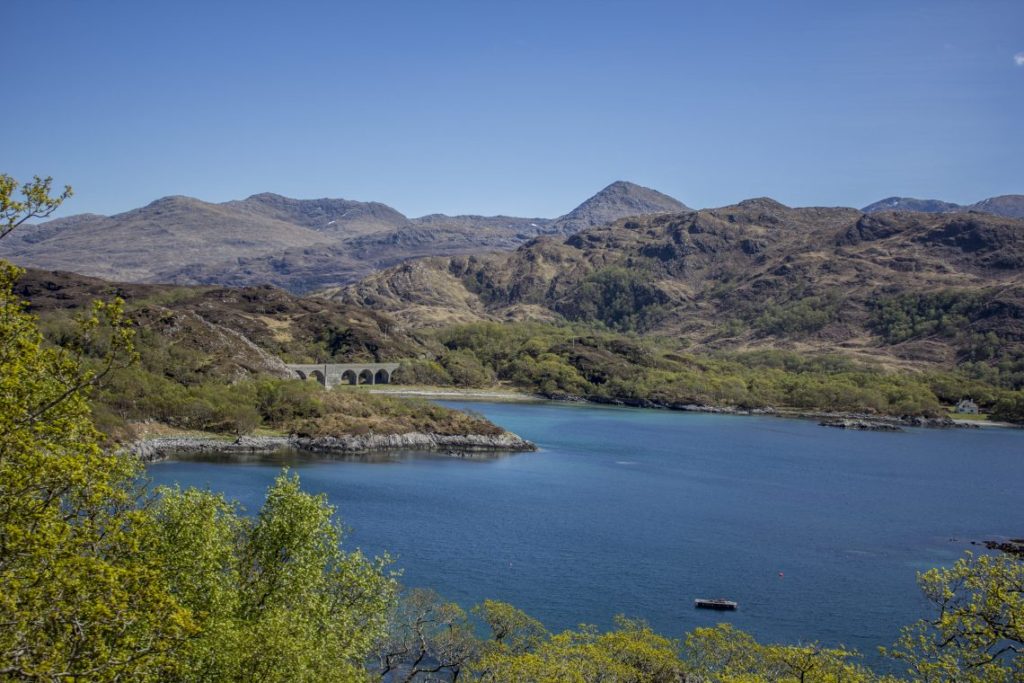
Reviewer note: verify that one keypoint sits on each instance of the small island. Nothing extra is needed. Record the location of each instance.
(305, 417)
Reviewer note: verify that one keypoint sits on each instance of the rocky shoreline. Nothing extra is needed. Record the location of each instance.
(460, 445)
(881, 422)
(861, 425)
(1012, 546)
(863, 421)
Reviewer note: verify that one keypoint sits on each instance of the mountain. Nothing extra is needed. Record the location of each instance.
(903, 287)
(299, 245)
(618, 200)
(143, 244)
(328, 216)
(1010, 205)
(910, 204)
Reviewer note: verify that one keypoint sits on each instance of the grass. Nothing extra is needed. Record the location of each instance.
(979, 417)
(349, 412)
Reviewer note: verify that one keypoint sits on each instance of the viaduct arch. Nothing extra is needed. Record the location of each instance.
(333, 374)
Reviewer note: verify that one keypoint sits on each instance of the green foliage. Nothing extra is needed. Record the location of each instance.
(280, 402)
(724, 654)
(1009, 408)
(631, 652)
(798, 317)
(101, 582)
(977, 632)
(35, 202)
(346, 411)
(422, 371)
(427, 640)
(959, 316)
(511, 629)
(909, 316)
(624, 299)
(559, 361)
(80, 590)
(465, 370)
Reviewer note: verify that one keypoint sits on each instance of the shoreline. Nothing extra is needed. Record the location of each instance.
(512, 396)
(157, 449)
(457, 394)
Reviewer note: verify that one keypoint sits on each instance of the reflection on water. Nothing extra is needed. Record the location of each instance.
(291, 457)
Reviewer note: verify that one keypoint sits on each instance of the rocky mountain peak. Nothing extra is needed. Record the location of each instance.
(619, 200)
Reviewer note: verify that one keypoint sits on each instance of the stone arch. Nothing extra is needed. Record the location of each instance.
(349, 377)
(301, 374)
(366, 376)
(381, 377)
(318, 376)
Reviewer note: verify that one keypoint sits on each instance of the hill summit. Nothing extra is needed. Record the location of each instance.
(619, 200)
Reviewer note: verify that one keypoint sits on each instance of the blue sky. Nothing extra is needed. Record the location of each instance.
(524, 108)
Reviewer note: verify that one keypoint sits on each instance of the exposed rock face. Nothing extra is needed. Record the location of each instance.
(861, 425)
(158, 449)
(892, 424)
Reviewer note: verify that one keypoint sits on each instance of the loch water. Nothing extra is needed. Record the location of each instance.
(816, 532)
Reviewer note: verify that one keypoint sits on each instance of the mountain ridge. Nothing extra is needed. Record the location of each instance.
(745, 276)
(1007, 205)
(298, 244)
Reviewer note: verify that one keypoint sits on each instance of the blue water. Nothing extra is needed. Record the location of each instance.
(816, 532)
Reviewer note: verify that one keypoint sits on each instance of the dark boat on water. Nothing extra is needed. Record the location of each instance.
(717, 603)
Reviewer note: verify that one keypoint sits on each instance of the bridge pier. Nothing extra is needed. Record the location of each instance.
(333, 374)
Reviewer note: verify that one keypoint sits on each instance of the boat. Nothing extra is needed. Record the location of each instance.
(715, 603)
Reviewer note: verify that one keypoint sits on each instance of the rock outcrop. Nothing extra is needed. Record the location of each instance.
(862, 425)
(461, 445)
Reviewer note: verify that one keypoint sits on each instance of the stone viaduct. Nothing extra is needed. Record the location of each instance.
(332, 374)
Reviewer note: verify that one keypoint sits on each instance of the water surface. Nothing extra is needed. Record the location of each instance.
(816, 532)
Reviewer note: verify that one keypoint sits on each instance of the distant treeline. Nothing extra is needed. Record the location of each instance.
(561, 361)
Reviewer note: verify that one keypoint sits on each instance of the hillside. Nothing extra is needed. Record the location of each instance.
(904, 287)
(222, 333)
(299, 245)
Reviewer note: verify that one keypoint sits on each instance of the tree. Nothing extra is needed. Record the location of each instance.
(631, 653)
(724, 653)
(427, 640)
(977, 633)
(511, 629)
(81, 595)
(274, 598)
(100, 581)
(36, 201)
